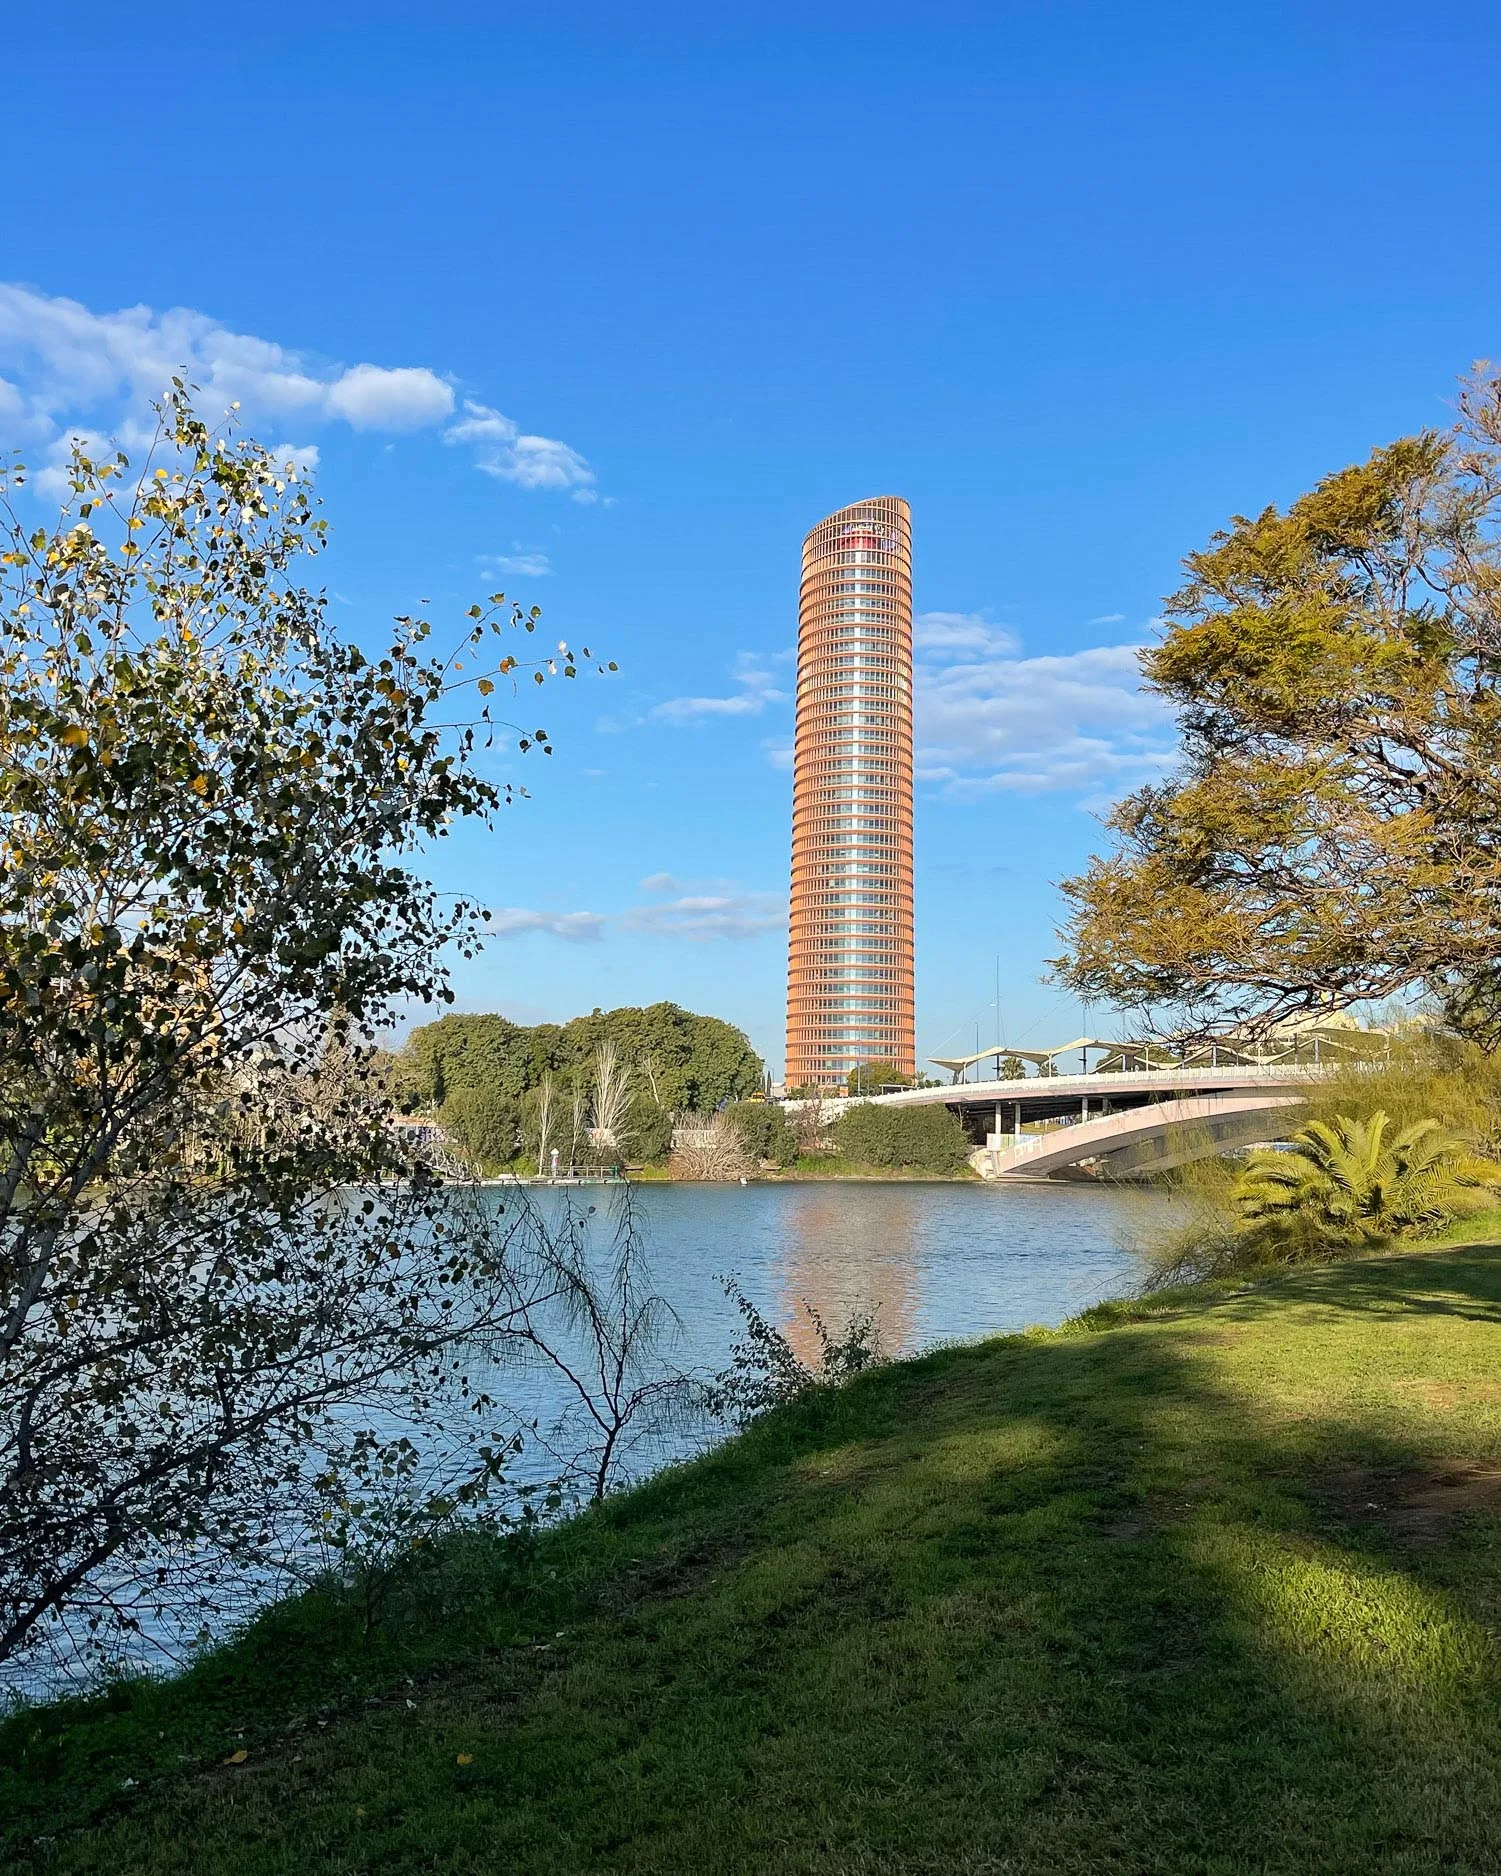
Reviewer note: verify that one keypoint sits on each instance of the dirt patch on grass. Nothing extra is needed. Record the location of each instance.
(1419, 1504)
(1445, 1396)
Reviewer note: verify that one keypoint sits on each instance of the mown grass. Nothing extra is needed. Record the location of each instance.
(1210, 1583)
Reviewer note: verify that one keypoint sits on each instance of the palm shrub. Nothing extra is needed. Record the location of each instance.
(1349, 1181)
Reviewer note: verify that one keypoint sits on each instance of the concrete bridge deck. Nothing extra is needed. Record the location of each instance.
(1123, 1123)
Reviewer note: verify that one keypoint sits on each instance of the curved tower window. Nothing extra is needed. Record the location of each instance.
(853, 744)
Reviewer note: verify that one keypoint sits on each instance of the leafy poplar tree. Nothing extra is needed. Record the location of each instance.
(210, 807)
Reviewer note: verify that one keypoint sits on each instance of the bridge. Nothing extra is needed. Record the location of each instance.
(1142, 1107)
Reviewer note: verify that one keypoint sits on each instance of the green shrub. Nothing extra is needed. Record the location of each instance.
(765, 1131)
(922, 1139)
(1341, 1184)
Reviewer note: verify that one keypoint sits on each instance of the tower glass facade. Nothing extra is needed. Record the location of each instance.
(849, 975)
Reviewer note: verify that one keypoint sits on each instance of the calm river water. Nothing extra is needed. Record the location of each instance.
(935, 1262)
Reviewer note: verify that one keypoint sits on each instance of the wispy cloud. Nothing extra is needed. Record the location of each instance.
(529, 562)
(503, 450)
(698, 913)
(989, 719)
(67, 370)
(1108, 618)
(758, 688)
(515, 921)
(944, 635)
(716, 910)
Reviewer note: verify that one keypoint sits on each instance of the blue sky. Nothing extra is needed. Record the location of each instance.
(660, 288)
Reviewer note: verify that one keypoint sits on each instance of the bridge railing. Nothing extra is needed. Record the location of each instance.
(1167, 1077)
(1092, 1083)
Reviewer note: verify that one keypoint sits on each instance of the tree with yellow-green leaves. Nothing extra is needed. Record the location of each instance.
(1333, 830)
(211, 808)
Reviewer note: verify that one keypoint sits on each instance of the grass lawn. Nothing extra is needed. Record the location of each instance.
(1206, 1590)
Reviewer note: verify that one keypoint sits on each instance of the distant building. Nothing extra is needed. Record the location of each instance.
(849, 976)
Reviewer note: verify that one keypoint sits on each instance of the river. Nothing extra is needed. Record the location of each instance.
(935, 1261)
(931, 1261)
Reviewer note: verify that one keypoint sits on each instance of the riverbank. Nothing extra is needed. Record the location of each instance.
(826, 1166)
(1215, 1585)
(821, 1166)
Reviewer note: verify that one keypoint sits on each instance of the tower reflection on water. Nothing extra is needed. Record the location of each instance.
(849, 1259)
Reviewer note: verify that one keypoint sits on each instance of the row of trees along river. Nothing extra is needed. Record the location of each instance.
(654, 1087)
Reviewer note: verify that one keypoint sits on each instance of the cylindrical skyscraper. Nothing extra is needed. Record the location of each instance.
(849, 974)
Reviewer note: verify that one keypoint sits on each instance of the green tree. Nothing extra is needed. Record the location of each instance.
(483, 1124)
(649, 1130)
(208, 807)
(1013, 1068)
(1333, 830)
(472, 1052)
(1348, 1181)
(872, 1077)
(682, 1060)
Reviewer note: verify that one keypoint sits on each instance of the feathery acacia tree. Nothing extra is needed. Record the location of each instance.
(209, 808)
(1333, 833)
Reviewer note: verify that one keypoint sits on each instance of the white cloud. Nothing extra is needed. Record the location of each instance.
(531, 462)
(12, 404)
(302, 456)
(941, 636)
(68, 368)
(1108, 618)
(68, 360)
(370, 397)
(691, 709)
(1073, 721)
(758, 688)
(989, 720)
(529, 562)
(702, 917)
(699, 914)
(514, 921)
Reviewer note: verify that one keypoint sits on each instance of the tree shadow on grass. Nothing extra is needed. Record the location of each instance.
(1076, 1603)
(1464, 1282)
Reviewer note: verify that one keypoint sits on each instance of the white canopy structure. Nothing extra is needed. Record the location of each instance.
(1311, 1039)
